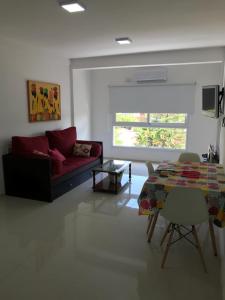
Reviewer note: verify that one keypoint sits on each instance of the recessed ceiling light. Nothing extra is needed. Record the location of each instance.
(123, 41)
(71, 6)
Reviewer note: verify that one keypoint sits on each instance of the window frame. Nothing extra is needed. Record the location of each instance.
(148, 124)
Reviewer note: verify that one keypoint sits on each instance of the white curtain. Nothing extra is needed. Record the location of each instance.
(174, 98)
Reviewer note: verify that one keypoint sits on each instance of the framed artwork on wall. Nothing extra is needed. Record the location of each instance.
(44, 102)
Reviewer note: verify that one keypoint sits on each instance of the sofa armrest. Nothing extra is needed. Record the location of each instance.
(29, 177)
(93, 151)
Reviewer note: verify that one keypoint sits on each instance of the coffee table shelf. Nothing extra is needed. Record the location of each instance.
(115, 179)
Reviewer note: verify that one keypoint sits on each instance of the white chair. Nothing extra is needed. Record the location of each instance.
(152, 218)
(194, 157)
(189, 156)
(184, 207)
(150, 167)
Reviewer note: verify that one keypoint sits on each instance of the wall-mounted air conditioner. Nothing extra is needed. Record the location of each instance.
(158, 74)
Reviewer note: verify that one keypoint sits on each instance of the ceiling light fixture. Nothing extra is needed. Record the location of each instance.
(123, 41)
(72, 6)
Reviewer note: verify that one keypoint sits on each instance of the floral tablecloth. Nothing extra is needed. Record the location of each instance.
(208, 177)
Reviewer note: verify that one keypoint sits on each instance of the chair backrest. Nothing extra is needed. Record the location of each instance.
(189, 156)
(150, 167)
(185, 206)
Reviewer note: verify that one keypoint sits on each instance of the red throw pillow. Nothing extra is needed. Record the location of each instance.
(96, 149)
(57, 166)
(56, 155)
(26, 145)
(63, 140)
(57, 161)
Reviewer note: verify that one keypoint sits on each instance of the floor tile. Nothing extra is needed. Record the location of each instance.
(88, 245)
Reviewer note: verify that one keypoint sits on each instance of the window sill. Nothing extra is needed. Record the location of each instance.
(149, 149)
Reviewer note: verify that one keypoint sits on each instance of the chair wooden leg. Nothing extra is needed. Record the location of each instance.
(212, 234)
(165, 234)
(150, 219)
(151, 231)
(194, 232)
(167, 247)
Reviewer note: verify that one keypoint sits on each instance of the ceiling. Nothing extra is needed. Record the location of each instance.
(153, 25)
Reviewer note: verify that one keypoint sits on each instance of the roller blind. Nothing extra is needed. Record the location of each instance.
(177, 98)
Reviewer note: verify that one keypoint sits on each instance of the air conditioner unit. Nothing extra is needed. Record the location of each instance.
(151, 75)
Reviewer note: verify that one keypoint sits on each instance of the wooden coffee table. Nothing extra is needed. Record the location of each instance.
(115, 180)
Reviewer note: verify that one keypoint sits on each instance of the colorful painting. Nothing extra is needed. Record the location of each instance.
(44, 101)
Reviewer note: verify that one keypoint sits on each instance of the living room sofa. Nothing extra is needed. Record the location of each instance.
(45, 167)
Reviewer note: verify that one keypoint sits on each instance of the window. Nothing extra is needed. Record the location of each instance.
(150, 130)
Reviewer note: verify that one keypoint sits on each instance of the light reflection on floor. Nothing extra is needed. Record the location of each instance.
(132, 203)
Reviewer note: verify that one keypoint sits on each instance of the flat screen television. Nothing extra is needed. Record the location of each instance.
(210, 101)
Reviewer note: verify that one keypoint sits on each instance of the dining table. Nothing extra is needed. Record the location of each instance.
(208, 177)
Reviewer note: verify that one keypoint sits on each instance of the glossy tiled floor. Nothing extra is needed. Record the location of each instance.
(93, 246)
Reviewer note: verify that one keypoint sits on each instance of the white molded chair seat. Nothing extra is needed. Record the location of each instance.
(189, 156)
(184, 207)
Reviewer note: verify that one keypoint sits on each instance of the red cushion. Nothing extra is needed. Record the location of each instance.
(63, 140)
(56, 154)
(26, 145)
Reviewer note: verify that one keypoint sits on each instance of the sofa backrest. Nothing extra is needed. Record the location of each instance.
(27, 145)
(63, 140)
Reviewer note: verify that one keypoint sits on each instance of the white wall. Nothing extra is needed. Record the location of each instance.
(222, 232)
(82, 99)
(150, 58)
(202, 131)
(19, 63)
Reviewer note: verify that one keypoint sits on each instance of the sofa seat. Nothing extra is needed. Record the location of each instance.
(73, 162)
